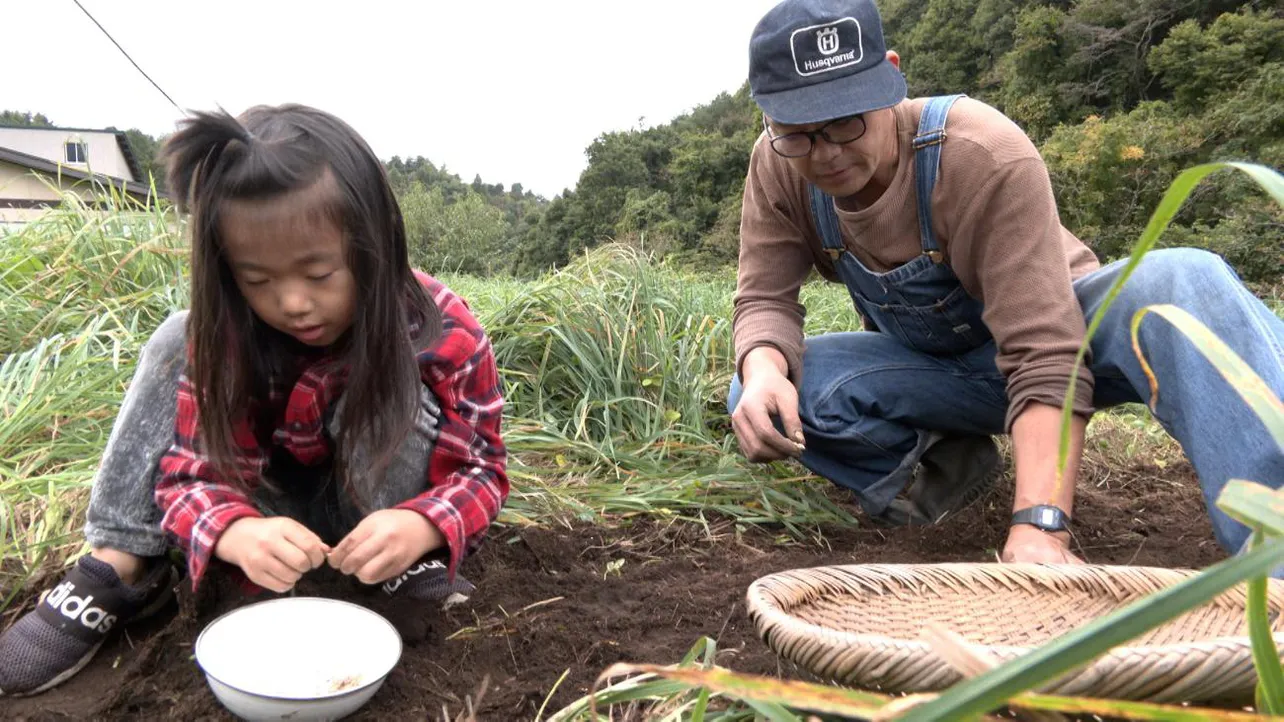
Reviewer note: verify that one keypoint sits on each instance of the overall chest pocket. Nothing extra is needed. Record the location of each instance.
(950, 326)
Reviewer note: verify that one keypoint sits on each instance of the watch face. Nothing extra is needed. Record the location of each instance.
(1049, 518)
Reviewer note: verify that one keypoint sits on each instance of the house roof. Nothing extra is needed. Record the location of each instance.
(46, 166)
(122, 140)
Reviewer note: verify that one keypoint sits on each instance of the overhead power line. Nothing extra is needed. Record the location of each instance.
(131, 60)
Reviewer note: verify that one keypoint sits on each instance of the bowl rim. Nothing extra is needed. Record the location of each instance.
(330, 696)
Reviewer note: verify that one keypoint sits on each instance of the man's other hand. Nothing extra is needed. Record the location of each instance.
(767, 393)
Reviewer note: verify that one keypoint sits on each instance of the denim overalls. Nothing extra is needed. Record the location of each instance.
(921, 303)
(872, 404)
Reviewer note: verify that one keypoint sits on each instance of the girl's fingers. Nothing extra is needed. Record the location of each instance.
(345, 547)
(292, 556)
(273, 583)
(360, 556)
(308, 543)
(275, 575)
(377, 569)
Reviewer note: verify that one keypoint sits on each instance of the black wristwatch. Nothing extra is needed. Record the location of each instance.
(1045, 517)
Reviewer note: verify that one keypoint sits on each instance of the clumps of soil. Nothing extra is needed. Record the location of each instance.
(575, 600)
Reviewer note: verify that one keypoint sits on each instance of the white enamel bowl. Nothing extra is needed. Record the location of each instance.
(297, 658)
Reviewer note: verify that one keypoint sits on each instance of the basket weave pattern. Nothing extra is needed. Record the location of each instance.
(860, 625)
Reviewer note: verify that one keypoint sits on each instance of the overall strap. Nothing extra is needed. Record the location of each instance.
(826, 218)
(927, 160)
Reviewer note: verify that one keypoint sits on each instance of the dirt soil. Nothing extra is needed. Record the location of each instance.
(551, 600)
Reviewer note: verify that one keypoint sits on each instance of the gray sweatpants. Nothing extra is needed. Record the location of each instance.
(122, 509)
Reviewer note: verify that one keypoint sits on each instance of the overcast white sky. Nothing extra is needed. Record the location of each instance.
(513, 90)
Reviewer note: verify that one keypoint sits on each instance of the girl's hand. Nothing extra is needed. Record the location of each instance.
(273, 552)
(385, 544)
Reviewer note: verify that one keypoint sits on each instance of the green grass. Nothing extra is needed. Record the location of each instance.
(78, 293)
(615, 369)
(616, 372)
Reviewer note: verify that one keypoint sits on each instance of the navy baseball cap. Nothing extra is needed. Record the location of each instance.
(816, 60)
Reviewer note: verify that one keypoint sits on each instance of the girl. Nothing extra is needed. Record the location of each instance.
(321, 403)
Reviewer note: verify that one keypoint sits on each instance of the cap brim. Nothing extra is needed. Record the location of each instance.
(881, 86)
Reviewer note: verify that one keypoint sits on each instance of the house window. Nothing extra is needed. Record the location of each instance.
(77, 152)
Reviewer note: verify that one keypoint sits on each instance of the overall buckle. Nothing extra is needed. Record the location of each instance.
(922, 140)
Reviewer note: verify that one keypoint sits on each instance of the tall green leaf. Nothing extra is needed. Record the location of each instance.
(1124, 709)
(776, 700)
(1254, 505)
(1266, 656)
(1177, 193)
(1251, 388)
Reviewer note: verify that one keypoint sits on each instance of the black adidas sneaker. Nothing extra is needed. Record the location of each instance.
(428, 580)
(53, 642)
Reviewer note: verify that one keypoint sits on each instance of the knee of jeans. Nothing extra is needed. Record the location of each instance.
(1170, 275)
(830, 406)
(169, 340)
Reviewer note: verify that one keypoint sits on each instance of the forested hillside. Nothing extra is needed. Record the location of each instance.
(1119, 95)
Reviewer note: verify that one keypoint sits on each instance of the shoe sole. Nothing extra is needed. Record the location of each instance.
(151, 609)
(454, 599)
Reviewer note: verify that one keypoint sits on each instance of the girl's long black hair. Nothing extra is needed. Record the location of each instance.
(268, 153)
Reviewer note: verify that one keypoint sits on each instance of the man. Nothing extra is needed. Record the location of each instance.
(938, 216)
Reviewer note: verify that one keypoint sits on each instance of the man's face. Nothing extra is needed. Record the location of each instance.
(843, 169)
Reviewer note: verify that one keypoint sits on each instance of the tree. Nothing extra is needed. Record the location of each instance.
(465, 236)
(1030, 93)
(25, 119)
(1201, 65)
(1112, 40)
(944, 52)
(146, 149)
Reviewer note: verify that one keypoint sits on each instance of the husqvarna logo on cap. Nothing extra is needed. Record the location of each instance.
(821, 48)
(827, 40)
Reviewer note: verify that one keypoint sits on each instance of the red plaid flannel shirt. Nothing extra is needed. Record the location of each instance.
(467, 482)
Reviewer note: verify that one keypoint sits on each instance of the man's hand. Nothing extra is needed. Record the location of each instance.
(273, 552)
(1031, 544)
(1036, 437)
(385, 544)
(767, 391)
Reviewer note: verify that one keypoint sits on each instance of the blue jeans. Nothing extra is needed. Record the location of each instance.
(865, 396)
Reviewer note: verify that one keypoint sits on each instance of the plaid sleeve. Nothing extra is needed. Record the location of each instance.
(467, 478)
(197, 506)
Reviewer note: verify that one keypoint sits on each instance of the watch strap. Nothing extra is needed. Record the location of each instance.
(1043, 516)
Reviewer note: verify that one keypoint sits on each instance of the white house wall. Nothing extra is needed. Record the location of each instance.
(19, 183)
(49, 143)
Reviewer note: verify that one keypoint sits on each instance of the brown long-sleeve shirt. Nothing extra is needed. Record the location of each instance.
(996, 221)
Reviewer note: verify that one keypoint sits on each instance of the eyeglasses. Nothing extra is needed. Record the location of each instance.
(839, 131)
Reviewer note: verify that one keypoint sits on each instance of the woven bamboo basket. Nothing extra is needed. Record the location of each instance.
(861, 626)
